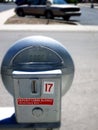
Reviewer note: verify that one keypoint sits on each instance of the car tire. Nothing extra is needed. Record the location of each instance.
(66, 18)
(49, 15)
(37, 16)
(20, 12)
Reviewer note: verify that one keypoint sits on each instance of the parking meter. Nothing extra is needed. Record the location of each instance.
(37, 71)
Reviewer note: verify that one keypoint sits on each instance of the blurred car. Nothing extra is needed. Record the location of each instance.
(20, 2)
(34, 2)
(53, 8)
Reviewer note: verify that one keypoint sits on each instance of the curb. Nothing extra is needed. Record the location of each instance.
(49, 28)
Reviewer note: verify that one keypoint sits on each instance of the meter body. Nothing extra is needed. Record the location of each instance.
(37, 71)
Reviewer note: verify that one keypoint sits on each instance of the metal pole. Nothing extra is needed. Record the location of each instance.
(48, 4)
(92, 4)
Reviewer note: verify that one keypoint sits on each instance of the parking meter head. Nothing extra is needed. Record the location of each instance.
(36, 54)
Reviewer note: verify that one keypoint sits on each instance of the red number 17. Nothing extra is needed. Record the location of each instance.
(48, 87)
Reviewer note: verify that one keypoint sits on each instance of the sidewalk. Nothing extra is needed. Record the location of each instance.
(5, 15)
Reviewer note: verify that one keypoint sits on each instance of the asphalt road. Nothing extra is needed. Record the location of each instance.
(89, 16)
(80, 104)
(6, 6)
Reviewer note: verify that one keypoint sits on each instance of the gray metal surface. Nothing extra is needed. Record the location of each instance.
(43, 105)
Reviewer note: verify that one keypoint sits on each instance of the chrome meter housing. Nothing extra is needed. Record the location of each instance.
(36, 54)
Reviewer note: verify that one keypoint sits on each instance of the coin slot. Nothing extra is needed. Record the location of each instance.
(34, 87)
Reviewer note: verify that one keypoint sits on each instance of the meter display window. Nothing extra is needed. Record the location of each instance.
(37, 56)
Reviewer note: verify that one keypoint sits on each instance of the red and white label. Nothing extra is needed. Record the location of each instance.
(48, 88)
(35, 101)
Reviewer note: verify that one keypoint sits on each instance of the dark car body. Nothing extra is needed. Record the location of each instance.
(21, 2)
(56, 9)
(34, 2)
